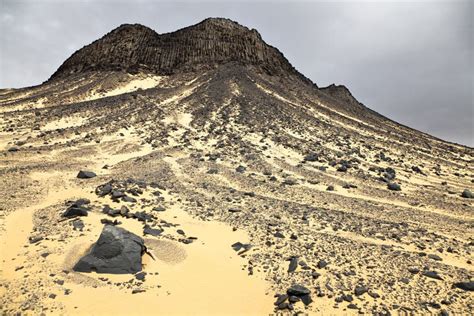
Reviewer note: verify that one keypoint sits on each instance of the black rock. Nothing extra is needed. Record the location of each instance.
(279, 235)
(35, 239)
(290, 181)
(342, 168)
(116, 194)
(394, 186)
(293, 264)
(347, 297)
(360, 290)
(142, 216)
(107, 221)
(117, 251)
(432, 274)
(240, 169)
(413, 270)
(81, 202)
(147, 230)
(435, 257)
(78, 225)
(311, 157)
(280, 299)
(74, 211)
(417, 170)
(86, 174)
(306, 299)
(103, 190)
(283, 306)
(140, 276)
(212, 171)
(466, 286)
(330, 188)
(136, 291)
(129, 199)
(13, 149)
(467, 194)
(238, 245)
(159, 209)
(298, 290)
(322, 264)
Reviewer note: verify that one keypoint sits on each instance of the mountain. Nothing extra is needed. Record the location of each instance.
(239, 178)
(212, 42)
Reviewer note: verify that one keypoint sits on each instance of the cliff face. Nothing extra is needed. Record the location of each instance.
(204, 45)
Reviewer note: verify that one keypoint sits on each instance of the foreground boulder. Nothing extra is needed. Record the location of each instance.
(117, 251)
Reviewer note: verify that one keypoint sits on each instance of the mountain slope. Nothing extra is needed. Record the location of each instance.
(210, 121)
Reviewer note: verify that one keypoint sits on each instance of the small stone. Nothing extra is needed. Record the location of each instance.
(293, 264)
(298, 290)
(359, 290)
(394, 186)
(467, 194)
(432, 274)
(322, 264)
(83, 174)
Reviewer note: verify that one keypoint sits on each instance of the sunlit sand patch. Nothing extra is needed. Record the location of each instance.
(135, 83)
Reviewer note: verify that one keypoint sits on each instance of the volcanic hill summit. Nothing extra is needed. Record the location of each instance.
(214, 41)
(236, 184)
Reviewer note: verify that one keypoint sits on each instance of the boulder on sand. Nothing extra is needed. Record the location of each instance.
(85, 174)
(117, 251)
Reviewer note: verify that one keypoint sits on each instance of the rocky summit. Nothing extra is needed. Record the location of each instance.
(200, 165)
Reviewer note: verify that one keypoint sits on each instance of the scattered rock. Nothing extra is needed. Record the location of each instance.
(467, 194)
(360, 290)
(78, 225)
(83, 174)
(147, 230)
(74, 211)
(394, 186)
(293, 264)
(298, 290)
(432, 274)
(466, 286)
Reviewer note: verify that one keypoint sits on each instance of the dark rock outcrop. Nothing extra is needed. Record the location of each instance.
(116, 251)
(214, 41)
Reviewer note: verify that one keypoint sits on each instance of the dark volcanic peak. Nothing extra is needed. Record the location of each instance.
(134, 47)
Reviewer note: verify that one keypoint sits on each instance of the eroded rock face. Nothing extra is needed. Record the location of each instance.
(211, 42)
(116, 251)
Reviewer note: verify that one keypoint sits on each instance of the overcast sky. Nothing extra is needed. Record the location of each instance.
(411, 61)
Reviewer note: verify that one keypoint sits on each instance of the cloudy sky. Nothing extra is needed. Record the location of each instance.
(409, 60)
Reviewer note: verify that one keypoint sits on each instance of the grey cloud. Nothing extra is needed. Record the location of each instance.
(410, 61)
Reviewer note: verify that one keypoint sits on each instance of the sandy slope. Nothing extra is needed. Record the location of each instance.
(148, 128)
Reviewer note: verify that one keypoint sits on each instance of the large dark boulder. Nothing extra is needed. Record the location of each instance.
(117, 251)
